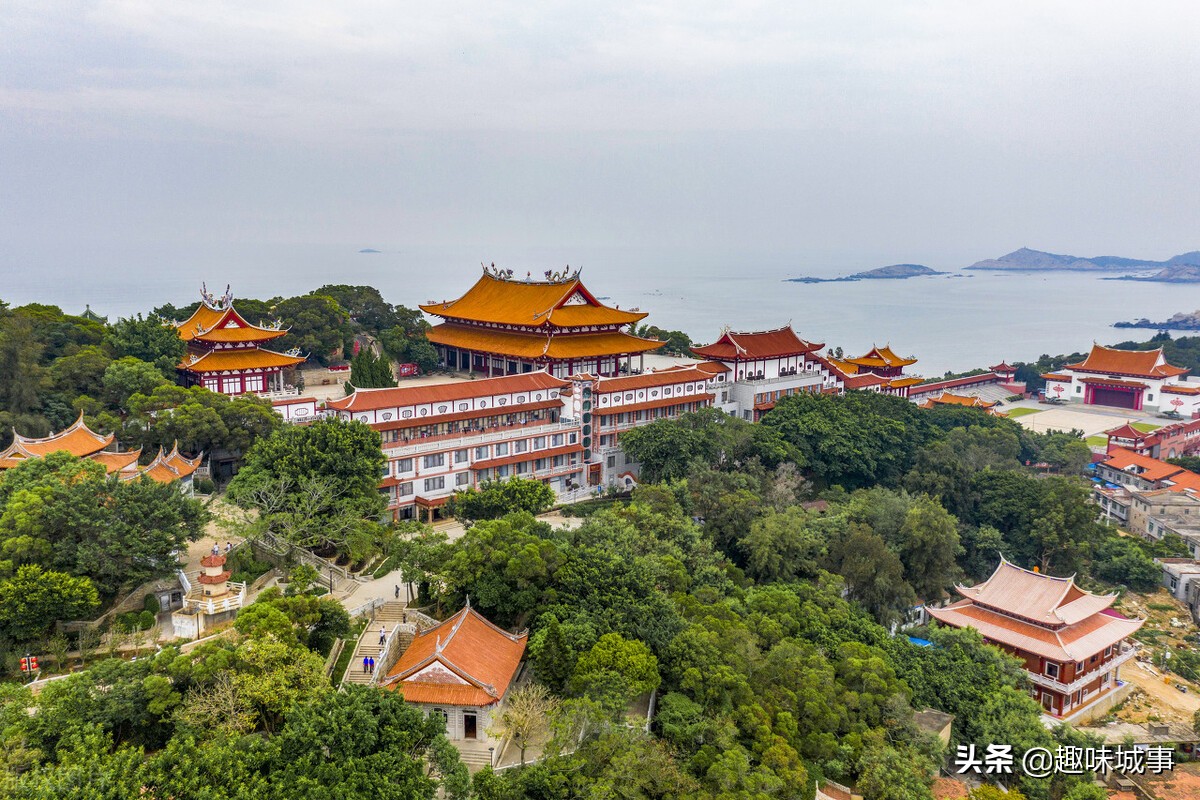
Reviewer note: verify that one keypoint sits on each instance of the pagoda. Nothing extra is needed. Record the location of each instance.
(507, 326)
(225, 353)
(1072, 642)
(213, 578)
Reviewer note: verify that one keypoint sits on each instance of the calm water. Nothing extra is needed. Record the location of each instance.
(947, 322)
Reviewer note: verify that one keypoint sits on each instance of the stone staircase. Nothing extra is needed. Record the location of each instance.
(389, 616)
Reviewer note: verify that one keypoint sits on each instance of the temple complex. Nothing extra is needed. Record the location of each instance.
(82, 442)
(461, 671)
(1140, 380)
(509, 326)
(225, 353)
(1072, 642)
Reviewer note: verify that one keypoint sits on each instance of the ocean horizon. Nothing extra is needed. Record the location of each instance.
(956, 321)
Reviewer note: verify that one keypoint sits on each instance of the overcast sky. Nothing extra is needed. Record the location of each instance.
(940, 132)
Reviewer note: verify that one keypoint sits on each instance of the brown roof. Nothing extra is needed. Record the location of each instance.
(398, 397)
(863, 381)
(1056, 376)
(1138, 363)
(948, 399)
(1126, 431)
(561, 303)
(215, 325)
(756, 345)
(466, 660)
(1003, 367)
(1177, 389)
(539, 345)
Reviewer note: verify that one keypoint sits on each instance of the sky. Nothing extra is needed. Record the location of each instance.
(937, 132)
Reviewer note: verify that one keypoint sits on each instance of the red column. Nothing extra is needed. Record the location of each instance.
(1137, 399)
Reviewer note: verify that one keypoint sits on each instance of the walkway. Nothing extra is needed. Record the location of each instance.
(368, 644)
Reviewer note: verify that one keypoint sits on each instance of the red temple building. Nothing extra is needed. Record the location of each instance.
(1072, 642)
(225, 353)
(509, 326)
(1134, 379)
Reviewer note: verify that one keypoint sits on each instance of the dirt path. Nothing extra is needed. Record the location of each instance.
(1160, 698)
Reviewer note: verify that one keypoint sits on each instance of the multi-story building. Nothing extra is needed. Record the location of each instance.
(608, 407)
(438, 439)
(1071, 642)
(1169, 441)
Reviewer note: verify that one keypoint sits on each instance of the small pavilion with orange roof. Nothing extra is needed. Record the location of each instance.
(507, 326)
(460, 670)
(967, 401)
(225, 352)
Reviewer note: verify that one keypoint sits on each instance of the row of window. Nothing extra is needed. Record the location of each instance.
(234, 385)
(1053, 669)
(465, 455)
(766, 397)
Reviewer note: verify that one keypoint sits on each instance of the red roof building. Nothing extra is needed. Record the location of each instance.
(1072, 642)
(968, 401)
(507, 326)
(445, 437)
(461, 669)
(1140, 380)
(225, 352)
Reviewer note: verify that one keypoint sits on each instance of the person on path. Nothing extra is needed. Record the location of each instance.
(366, 664)
(372, 666)
(397, 591)
(382, 634)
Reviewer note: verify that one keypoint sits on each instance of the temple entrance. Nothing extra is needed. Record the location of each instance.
(470, 725)
(1118, 398)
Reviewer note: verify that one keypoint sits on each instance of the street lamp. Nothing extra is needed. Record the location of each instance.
(331, 580)
(492, 756)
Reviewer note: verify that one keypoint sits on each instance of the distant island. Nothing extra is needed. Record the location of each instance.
(1026, 260)
(1183, 321)
(369, 250)
(1179, 273)
(892, 272)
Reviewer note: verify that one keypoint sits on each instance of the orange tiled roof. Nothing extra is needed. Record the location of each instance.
(209, 324)
(881, 357)
(756, 345)
(1056, 376)
(535, 346)
(667, 377)
(565, 303)
(1137, 363)
(459, 416)
(1184, 481)
(948, 399)
(1145, 467)
(1041, 598)
(863, 381)
(1177, 389)
(464, 661)
(169, 467)
(1003, 367)
(239, 360)
(909, 380)
(78, 440)
(1114, 382)
(117, 462)
(539, 384)
(1074, 642)
(712, 367)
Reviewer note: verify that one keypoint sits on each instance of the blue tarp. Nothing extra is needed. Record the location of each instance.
(920, 642)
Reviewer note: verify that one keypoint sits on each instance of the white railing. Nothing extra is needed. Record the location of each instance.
(184, 582)
(447, 441)
(1046, 681)
(367, 608)
(211, 606)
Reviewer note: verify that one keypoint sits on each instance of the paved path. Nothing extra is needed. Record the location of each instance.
(368, 643)
(1092, 420)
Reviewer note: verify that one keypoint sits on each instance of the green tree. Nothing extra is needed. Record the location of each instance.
(316, 324)
(497, 498)
(785, 546)
(33, 599)
(615, 671)
(129, 376)
(368, 371)
(150, 339)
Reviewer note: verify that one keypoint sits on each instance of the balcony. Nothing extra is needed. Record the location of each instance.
(456, 441)
(1127, 652)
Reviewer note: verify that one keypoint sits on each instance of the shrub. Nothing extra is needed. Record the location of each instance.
(145, 621)
(151, 604)
(204, 486)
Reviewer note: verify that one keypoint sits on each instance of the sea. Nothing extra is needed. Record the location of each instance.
(953, 322)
